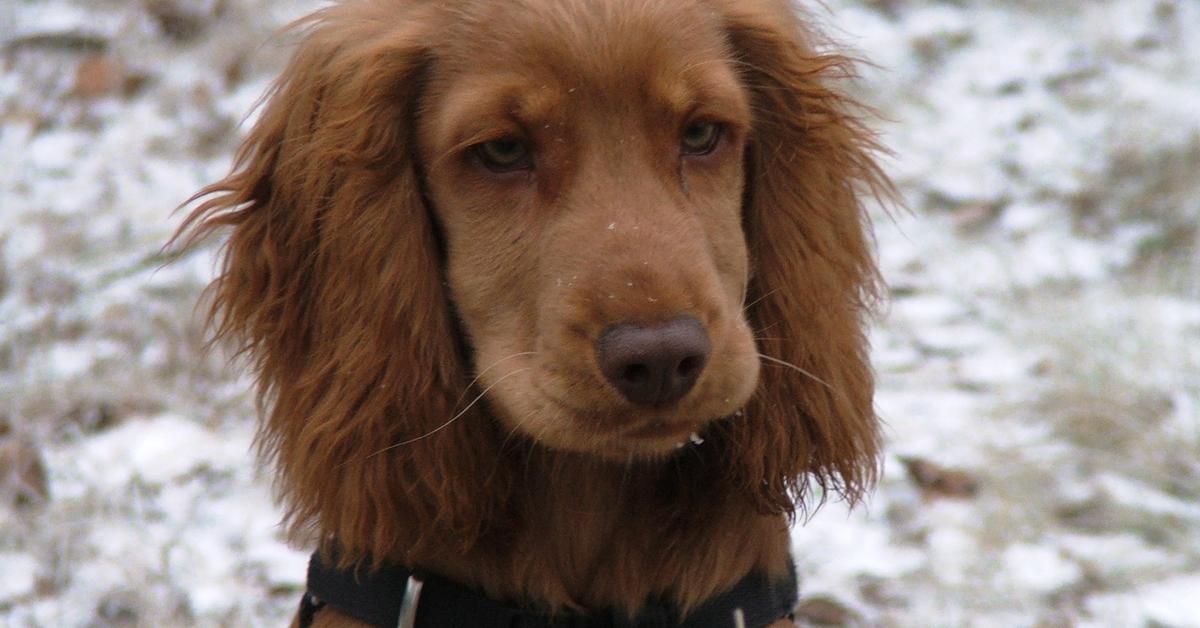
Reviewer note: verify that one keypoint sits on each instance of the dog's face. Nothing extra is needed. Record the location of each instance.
(623, 189)
(588, 179)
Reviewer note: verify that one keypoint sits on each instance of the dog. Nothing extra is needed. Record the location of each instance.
(557, 305)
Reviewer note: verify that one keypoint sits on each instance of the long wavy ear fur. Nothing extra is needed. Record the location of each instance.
(331, 285)
(810, 162)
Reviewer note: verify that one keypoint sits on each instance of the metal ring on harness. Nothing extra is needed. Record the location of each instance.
(412, 597)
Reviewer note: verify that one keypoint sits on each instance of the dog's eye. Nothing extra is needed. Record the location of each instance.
(504, 155)
(700, 138)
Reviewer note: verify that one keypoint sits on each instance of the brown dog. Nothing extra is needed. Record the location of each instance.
(561, 300)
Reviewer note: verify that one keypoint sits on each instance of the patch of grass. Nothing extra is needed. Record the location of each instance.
(1117, 400)
(1158, 188)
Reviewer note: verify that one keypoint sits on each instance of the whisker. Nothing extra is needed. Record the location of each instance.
(765, 328)
(759, 299)
(516, 428)
(490, 367)
(534, 439)
(452, 419)
(798, 370)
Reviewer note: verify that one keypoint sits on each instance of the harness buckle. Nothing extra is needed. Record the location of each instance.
(408, 607)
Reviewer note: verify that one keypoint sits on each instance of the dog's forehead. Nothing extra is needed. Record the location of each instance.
(599, 46)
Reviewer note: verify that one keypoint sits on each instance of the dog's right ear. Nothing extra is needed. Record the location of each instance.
(331, 285)
(812, 163)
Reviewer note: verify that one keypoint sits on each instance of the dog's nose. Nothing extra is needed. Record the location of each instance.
(654, 365)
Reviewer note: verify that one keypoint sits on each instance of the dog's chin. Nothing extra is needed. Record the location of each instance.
(535, 410)
(656, 449)
(651, 439)
(624, 449)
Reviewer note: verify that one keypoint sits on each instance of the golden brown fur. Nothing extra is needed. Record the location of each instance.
(380, 280)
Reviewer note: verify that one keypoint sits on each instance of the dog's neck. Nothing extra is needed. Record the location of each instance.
(588, 534)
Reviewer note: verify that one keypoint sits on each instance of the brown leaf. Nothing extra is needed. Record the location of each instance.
(974, 217)
(937, 481)
(98, 76)
(825, 611)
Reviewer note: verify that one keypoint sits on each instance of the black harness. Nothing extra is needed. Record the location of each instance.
(394, 597)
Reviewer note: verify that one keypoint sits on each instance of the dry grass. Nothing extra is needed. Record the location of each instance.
(1118, 402)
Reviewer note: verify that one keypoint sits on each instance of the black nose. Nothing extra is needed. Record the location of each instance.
(654, 365)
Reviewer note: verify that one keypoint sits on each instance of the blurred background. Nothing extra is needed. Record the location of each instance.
(1039, 362)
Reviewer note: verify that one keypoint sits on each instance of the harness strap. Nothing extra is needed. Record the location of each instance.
(379, 598)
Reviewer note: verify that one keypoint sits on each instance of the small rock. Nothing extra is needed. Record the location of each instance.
(937, 481)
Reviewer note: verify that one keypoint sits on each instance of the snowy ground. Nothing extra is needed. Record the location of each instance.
(1039, 365)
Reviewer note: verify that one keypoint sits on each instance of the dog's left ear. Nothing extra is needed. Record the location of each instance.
(810, 162)
(331, 286)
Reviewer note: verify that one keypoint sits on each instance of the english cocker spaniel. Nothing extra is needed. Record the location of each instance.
(556, 307)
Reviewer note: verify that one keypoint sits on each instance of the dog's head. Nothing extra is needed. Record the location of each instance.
(591, 227)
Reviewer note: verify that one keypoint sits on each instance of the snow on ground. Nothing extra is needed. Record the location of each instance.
(1039, 363)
